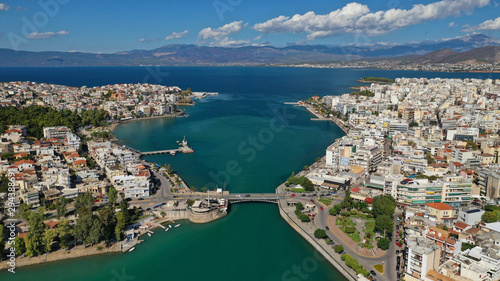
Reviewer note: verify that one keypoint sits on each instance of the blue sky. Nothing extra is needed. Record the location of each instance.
(112, 26)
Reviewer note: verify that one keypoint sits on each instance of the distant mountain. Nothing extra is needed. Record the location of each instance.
(179, 54)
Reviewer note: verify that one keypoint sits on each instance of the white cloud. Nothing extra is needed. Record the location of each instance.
(357, 18)
(177, 35)
(45, 35)
(451, 24)
(228, 42)
(4, 7)
(487, 25)
(223, 31)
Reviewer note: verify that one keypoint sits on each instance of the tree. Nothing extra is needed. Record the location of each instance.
(338, 248)
(335, 210)
(96, 232)
(108, 221)
(34, 238)
(384, 224)
(83, 226)
(400, 115)
(169, 169)
(348, 201)
(120, 225)
(413, 124)
(19, 246)
(24, 211)
(190, 202)
(163, 214)
(384, 205)
(304, 218)
(112, 195)
(124, 210)
(384, 243)
(65, 232)
(204, 189)
(3, 241)
(320, 233)
(84, 203)
(48, 238)
(489, 217)
(61, 206)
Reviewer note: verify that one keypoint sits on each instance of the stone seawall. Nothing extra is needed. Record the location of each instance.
(206, 217)
(317, 246)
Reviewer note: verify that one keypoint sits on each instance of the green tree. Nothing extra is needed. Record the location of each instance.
(384, 205)
(24, 211)
(335, 210)
(61, 206)
(34, 238)
(4, 184)
(3, 240)
(83, 226)
(169, 169)
(384, 243)
(489, 217)
(190, 202)
(112, 195)
(338, 248)
(304, 218)
(96, 232)
(320, 233)
(65, 233)
(384, 224)
(84, 203)
(48, 238)
(19, 246)
(348, 202)
(120, 225)
(124, 210)
(108, 221)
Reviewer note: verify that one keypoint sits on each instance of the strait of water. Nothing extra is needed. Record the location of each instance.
(246, 138)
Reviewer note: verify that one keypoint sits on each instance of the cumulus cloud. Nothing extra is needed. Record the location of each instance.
(451, 24)
(4, 7)
(357, 18)
(487, 25)
(177, 35)
(228, 42)
(46, 35)
(223, 31)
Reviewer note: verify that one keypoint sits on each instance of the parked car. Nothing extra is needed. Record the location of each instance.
(327, 228)
(372, 272)
(399, 245)
(321, 208)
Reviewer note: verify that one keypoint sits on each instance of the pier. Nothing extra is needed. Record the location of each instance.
(184, 149)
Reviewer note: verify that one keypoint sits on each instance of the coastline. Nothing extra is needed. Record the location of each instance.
(113, 126)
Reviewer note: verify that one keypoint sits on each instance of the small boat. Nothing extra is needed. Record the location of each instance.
(177, 225)
(169, 226)
(149, 234)
(133, 248)
(166, 229)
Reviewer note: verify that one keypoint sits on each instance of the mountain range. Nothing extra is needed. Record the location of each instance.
(475, 48)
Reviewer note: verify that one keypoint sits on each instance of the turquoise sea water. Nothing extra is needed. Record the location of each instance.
(245, 137)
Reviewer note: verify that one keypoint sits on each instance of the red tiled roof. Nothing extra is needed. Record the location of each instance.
(461, 225)
(439, 206)
(355, 190)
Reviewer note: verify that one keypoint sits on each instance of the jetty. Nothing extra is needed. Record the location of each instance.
(184, 148)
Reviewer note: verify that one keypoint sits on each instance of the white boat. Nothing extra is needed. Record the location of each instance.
(177, 225)
(166, 229)
(131, 249)
(169, 226)
(149, 234)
